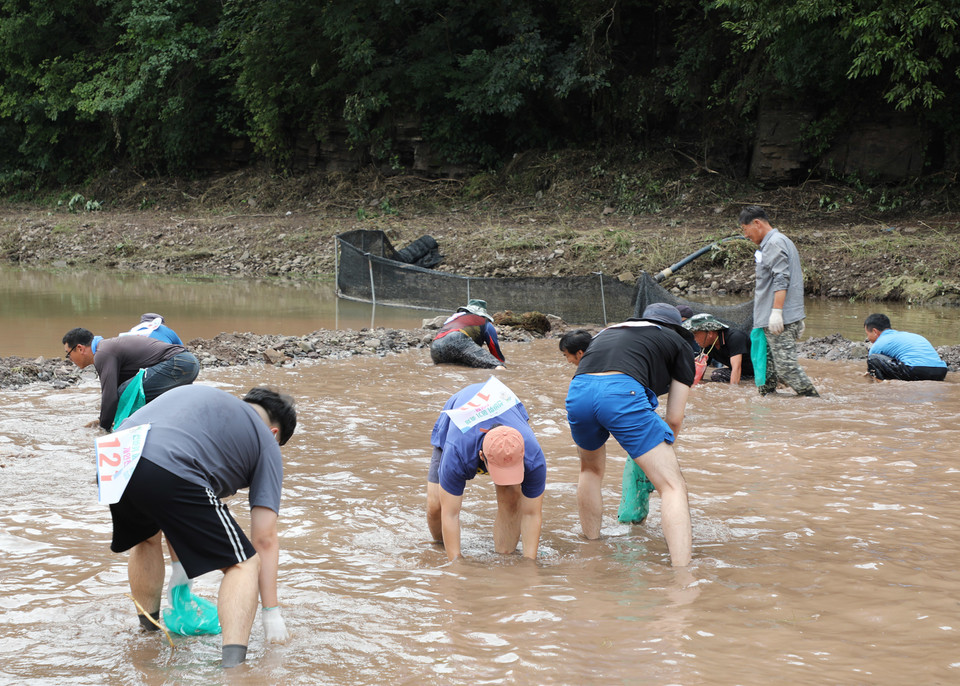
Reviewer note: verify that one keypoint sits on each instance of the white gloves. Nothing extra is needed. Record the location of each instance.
(776, 322)
(273, 626)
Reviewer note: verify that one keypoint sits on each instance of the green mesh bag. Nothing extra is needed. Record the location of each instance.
(131, 400)
(190, 615)
(635, 496)
(758, 355)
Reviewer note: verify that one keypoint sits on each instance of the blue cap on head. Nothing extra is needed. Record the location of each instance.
(663, 313)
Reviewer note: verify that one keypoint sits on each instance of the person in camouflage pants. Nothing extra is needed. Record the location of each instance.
(782, 365)
(777, 301)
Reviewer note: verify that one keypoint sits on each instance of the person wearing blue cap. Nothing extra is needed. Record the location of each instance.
(614, 391)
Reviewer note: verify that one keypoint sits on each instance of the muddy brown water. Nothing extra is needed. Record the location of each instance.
(37, 307)
(825, 537)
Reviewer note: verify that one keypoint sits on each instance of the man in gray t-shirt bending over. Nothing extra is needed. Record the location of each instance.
(203, 445)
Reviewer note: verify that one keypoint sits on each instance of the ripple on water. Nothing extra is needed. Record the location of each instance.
(825, 534)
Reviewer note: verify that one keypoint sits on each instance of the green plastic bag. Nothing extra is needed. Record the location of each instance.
(758, 355)
(190, 615)
(635, 496)
(131, 400)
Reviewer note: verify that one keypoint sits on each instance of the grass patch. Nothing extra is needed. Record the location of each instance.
(905, 288)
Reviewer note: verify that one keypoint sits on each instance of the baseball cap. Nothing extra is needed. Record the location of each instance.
(503, 449)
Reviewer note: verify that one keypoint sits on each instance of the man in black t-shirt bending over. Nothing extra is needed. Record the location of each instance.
(615, 392)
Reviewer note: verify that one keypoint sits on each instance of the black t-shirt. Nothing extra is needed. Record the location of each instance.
(733, 342)
(653, 355)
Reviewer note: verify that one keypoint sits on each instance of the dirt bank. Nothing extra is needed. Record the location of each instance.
(548, 215)
(538, 218)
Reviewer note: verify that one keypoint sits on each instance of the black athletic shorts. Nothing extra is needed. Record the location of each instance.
(199, 527)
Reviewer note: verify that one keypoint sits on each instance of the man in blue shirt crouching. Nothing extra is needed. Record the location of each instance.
(900, 354)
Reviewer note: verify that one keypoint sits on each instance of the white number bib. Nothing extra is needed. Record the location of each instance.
(490, 401)
(117, 457)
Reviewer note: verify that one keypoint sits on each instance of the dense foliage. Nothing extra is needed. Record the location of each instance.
(173, 86)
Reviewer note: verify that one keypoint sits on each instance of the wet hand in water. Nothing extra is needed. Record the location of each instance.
(274, 627)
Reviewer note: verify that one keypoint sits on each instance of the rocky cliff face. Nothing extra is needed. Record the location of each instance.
(886, 149)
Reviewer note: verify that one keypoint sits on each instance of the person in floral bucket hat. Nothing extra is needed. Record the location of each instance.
(461, 338)
(723, 344)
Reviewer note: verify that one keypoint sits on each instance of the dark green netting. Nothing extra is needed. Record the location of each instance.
(369, 270)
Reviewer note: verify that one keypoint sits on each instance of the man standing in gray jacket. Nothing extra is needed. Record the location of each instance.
(777, 302)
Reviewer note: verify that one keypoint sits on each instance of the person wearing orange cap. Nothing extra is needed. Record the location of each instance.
(502, 445)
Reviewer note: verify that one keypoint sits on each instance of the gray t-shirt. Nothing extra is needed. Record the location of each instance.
(212, 439)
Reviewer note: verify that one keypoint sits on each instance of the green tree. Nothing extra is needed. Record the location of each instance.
(156, 87)
(43, 49)
(910, 46)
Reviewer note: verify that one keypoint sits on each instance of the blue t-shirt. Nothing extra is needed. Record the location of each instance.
(160, 332)
(461, 451)
(166, 334)
(911, 349)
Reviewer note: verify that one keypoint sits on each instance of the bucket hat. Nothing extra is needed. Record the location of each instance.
(478, 307)
(704, 322)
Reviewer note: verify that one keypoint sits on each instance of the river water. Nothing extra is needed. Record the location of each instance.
(38, 307)
(825, 536)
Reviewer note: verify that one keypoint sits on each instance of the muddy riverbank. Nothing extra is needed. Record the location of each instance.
(855, 242)
(234, 349)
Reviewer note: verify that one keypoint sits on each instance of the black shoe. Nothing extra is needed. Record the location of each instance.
(146, 624)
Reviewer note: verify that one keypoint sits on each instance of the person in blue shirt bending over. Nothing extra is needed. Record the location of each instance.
(900, 354)
(500, 444)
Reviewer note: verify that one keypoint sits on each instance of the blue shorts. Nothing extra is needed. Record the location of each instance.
(617, 404)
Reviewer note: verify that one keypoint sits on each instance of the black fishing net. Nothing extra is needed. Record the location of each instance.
(370, 270)
(649, 291)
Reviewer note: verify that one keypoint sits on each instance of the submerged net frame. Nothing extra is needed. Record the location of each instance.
(367, 270)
